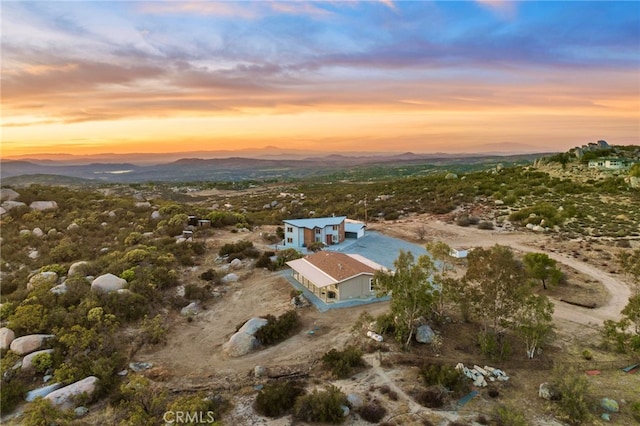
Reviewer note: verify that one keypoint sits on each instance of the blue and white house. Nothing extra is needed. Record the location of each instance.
(327, 230)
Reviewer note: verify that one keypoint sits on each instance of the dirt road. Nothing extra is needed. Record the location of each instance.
(457, 236)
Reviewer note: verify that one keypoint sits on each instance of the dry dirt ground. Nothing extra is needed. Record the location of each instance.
(193, 358)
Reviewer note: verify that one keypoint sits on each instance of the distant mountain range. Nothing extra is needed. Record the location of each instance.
(267, 153)
(234, 168)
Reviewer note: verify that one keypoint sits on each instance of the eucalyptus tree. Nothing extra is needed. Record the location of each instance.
(412, 292)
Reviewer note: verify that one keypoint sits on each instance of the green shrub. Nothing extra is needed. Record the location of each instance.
(321, 406)
(265, 260)
(29, 319)
(509, 416)
(575, 401)
(445, 376)
(211, 275)
(485, 225)
(153, 330)
(286, 255)
(342, 363)
(433, 397)
(234, 248)
(278, 329)
(635, 410)
(199, 407)
(195, 292)
(42, 362)
(587, 354)
(463, 221)
(41, 412)
(277, 399)
(57, 268)
(13, 386)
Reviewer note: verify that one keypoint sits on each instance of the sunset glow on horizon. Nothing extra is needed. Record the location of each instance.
(86, 77)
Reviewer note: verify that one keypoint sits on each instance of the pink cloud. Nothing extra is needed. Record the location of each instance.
(505, 9)
(217, 8)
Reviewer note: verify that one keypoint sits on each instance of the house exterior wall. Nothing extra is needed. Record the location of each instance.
(610, 164)
(302, 237)
(293, 236)
(355, 288)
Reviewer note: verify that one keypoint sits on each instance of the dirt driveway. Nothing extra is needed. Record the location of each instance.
(457, 236)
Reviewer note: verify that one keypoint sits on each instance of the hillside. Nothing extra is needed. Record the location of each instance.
(159, 342)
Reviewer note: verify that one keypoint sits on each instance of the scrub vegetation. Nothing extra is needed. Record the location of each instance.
(501, 295)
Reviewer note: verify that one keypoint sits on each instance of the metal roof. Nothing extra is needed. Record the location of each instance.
(319, 222)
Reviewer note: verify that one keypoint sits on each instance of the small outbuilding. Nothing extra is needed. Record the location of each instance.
(459, 253)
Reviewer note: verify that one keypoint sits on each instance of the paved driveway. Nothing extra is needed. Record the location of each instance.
(379, 248)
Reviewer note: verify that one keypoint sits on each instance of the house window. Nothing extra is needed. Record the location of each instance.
(372, 287)
(289, 228)
(336, 227)
(318, 231)
(290, 240)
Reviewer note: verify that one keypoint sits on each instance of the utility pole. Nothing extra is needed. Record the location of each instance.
(365, 209)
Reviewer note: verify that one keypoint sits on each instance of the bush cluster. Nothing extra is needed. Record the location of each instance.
(321, 406)
(277, 399)
(372, 412)
(239, 250)
(444, 375)
(278, 329)
(342, 363)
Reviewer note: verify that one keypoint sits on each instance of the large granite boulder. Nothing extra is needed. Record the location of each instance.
(190, 310)
(253, 325)
(10, 205)
(77, 268)
(42, 392)
(610, 405)
(27, 344)
(38, 232)
(6, 337)
(235, 263)
(240, 344)
(44, 205)
(230, 278)
(65, 397)
(243, 342)
(107, 283)
(355, 400)
(27, 361)
(7, 194)
(59, 289)
(48, 278)
(424, 334)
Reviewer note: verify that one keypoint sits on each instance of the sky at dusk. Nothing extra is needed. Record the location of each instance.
(89, 77)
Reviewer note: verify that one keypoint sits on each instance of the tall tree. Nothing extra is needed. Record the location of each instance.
(541, 267)
(440, 252)
(412, 294)
(496, 285)
(630, 263)
(534, 322)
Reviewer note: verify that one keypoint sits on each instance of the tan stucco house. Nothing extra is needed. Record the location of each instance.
(334, 276)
